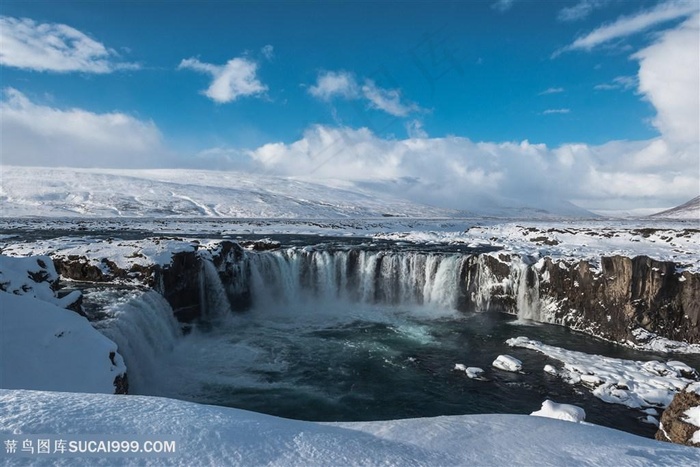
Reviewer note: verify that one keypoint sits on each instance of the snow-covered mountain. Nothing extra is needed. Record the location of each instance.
(68, 192)
(689, 210)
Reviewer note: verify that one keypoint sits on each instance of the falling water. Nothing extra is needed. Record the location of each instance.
(527, 291)
(408, 278)
(145, 330)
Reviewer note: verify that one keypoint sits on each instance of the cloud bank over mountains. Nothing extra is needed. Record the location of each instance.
(450, 171)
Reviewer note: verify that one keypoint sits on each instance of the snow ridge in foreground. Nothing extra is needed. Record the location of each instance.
(211, 435)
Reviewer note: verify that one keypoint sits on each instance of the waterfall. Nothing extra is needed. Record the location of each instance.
(212, 293)
(527, 291)
(407, 278)
(145, 330)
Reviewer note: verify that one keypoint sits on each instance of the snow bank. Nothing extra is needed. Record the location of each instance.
(122, 253)
(210, 435)
(34, 277)
(507, 363)
(51, 348)
(634, 384)
(568, 412)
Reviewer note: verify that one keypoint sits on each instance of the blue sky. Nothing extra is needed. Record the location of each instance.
(487, 71)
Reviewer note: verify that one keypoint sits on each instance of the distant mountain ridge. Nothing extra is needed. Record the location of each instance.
(180, 193)
(688, 210)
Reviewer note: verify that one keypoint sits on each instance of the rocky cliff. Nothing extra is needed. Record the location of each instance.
(618, 298)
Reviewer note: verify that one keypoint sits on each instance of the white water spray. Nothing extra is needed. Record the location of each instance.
(145, 330)
(407, 278)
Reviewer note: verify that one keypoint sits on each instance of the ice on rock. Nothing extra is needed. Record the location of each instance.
(591, 380)
(472, 372)
(550, 369)
(507, 363)
(568, 412)
(650, 420)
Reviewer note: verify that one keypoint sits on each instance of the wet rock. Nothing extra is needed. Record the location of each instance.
(179, 283)
(673, 427)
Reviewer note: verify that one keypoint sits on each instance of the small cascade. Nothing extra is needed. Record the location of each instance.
(145, 330)
(407, 278)
(527, 292)
(212, 293)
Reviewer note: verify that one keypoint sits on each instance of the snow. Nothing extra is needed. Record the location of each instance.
(507, 363)
(634, 384)
(43, 345)
(67, 192)
(689, 210)
(568, 412)
(650, 342)
(692, 416)
(572, 241)
(16, 278)
(472, 372)
(208, 435)
(51, 348)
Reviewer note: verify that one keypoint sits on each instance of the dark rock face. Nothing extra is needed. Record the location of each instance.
(478, 270)
(179, 283)
(673, 427)
(233, 270)
(625, 294)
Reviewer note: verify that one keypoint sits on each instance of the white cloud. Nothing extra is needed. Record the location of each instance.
(415, 129)
(39, 135)
(629, 25)
(342, 84)
(503, 5)
(581, 10)
(29, 45)
(551, 91)
(332, 84)
(268, 52)
(556, 111)
(669, 77)
(387, 100)
(236, 79)
(620, 82)
(458, 173)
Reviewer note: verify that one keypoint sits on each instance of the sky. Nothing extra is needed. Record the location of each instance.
(589, 101)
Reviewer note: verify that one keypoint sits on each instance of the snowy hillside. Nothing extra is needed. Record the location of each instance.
(689, 210)
(62, 192)
(207, 435)
(30, 191)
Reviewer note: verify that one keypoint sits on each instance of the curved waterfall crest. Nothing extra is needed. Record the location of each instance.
(354, 275)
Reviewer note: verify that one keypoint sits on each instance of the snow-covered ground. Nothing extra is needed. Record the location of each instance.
(35, 191)
(47, 347)
(571, 241)
(207, 435)
(31, 191)
(689, 210)
(42, 344)
(574, 240)
(635, 384)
